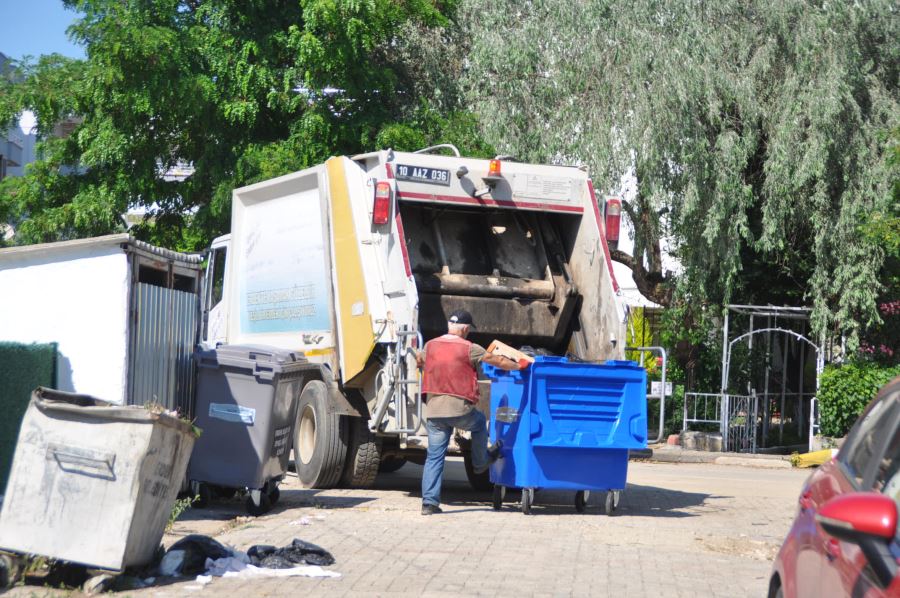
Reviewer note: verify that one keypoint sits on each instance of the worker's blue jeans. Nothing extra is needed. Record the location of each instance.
(439, 431)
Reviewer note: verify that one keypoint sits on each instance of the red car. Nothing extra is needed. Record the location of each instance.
(845, 540)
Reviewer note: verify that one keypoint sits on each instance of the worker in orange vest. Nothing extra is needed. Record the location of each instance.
(450, 387)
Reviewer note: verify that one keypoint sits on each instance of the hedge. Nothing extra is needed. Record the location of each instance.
(845, 390)
(22, 369)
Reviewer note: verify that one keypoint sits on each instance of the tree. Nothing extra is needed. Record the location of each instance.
(240, 90)
(754, 130)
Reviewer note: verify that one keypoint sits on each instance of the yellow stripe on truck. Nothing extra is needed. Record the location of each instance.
(356, 339)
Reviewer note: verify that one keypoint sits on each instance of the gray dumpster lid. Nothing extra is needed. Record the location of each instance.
(252, 357)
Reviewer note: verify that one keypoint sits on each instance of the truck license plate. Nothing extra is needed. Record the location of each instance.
(422, 174)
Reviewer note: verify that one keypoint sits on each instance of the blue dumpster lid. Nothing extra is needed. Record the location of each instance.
(541, 361)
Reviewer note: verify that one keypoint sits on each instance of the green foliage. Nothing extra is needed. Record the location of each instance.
(755, 132)
(181, 505)
(845, 390)
(22, 369)
(636, 329)
(242, 91)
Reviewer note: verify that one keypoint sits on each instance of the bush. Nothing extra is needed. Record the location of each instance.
(845, 391)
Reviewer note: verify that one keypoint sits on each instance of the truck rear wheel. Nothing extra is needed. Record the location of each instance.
(320, 439)
(363, 455)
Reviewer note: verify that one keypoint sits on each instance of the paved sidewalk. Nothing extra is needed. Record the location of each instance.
(681, 530)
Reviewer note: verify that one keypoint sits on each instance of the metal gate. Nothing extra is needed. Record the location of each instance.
(740, 424)
(160, 365)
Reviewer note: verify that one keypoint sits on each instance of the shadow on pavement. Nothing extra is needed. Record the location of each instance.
(222, 509)
(636, 500)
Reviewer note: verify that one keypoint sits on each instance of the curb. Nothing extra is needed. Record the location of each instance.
(761, 463)
(733, 459)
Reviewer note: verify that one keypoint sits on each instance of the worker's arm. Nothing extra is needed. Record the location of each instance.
(501, 362)
(420, 359)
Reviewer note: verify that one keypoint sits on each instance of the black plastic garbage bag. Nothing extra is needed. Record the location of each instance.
(296, 553)
(188, 555)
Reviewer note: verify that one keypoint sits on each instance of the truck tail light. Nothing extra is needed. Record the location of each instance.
(381, 211)
(613, 219)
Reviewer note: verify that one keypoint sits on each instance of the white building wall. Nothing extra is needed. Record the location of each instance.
(77, 298)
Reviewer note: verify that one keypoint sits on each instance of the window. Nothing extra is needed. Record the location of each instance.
(218, 277)
(868, 435)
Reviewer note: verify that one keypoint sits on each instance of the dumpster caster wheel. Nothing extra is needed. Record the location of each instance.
(499, 495)
(260, 506)
(612, 501)
(581, 498)
(527, 500)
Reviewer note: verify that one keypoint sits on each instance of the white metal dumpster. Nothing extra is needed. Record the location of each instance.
(93, 483)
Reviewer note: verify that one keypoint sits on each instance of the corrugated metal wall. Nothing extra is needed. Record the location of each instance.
(162, 344)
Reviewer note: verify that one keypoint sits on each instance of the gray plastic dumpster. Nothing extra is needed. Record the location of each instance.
(246, 405)
(93, 483)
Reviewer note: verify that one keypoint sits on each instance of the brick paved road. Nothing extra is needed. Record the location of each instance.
(681, 530)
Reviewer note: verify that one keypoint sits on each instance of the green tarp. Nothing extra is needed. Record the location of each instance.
(22, 369)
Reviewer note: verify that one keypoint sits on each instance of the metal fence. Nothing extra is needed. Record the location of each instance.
(814, 427)
(702, 408)
(161, 347)
(785, 418)
(736, 417)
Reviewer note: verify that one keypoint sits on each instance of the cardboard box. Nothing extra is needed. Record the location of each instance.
(504, 350)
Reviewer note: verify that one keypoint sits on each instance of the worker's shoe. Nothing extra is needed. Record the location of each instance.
(493, 451)
(431, 510)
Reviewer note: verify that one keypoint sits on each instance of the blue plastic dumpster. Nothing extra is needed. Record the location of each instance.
(566, 425)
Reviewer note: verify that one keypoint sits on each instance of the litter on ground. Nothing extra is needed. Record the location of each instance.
(206, 558)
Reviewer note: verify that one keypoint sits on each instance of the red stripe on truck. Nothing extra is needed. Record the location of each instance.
(499, 203)
(403, 249)
(609, 265)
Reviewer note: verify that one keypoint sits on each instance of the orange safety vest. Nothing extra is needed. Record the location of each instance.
(448, 370)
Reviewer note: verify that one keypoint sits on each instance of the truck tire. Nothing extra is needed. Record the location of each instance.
(320, 439)
(363, 455)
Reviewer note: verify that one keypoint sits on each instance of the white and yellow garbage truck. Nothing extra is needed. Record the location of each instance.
(359, 260)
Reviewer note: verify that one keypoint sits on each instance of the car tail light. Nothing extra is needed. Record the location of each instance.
(381, 211)
(613, 218)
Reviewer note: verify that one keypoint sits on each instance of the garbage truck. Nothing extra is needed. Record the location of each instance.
(359, 261)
